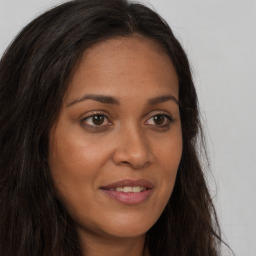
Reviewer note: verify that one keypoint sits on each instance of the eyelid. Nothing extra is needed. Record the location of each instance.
(95, 113)
(165, 114)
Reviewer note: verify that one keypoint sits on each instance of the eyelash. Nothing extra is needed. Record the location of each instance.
(93, 115)
(168, 118)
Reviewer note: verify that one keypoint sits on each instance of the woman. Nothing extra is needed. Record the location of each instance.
(99, 132)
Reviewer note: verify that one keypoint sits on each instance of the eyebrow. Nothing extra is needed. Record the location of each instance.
(111, 100)
(161, 99)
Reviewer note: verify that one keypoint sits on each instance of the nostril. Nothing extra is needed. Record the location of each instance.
(125, 162)
(134, 165)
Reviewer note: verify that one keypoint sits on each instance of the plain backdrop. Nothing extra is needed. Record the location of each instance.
(219, 37)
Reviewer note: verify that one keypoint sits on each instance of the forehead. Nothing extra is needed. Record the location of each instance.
(124, 66)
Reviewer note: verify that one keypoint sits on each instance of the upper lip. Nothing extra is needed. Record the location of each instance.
(129, 183)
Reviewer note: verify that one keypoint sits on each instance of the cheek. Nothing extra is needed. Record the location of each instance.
(74, 170)
(169, 152)
(69, 165)
(169, 156)
(69, 154)
(76, 164)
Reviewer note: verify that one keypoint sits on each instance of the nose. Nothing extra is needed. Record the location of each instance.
(133, 149)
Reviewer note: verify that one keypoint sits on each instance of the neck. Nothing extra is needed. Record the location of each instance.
(105, 245)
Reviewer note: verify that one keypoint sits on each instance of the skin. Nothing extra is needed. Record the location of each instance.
(128, 144)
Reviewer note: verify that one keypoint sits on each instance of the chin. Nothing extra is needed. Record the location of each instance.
(128, 227)
(117, 227)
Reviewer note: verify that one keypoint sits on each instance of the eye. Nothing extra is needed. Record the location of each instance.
(160, 120)
(95, 120)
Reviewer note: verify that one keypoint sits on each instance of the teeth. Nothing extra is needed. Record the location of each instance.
(136, 189)
(126, 189)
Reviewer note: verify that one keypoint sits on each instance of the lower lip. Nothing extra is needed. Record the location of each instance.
(130, 198)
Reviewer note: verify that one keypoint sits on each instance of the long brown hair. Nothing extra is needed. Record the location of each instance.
(34, 75)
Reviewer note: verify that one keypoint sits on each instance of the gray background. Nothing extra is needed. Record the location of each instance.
(220, 39)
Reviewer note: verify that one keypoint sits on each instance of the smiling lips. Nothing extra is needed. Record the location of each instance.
(129, 191)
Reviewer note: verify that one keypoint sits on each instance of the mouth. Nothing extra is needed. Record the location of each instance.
(126, 189)
(129, 191)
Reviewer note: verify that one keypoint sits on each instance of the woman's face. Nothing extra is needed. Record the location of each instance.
(116, 146)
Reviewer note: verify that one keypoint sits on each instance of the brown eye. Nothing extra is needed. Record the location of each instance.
(96, 120)
(159, 119)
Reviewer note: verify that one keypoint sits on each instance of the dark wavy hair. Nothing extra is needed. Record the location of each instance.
(34, 75)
